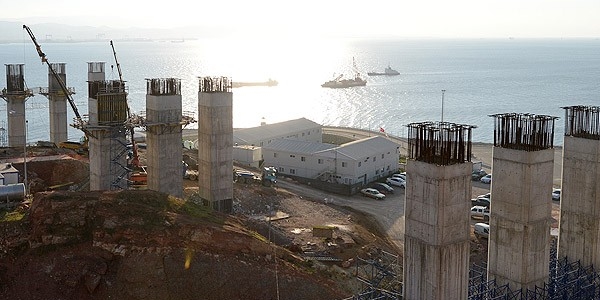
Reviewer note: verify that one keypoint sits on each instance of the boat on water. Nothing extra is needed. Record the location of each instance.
(269, 82)
(341, 82)
(387, 72)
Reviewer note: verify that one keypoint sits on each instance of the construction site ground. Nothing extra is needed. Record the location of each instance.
(293, 215)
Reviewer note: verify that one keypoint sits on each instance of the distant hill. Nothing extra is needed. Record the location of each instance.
(12, 31)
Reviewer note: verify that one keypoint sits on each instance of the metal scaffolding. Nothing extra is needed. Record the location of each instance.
(567, 281)
(439, 143)
(582, 121)
(527, 132)
(379, 276)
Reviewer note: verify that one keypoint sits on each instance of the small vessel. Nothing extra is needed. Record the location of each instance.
(340, 82)
(388, 72)
(269, 82)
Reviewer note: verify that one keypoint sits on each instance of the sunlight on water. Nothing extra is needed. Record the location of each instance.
(482, 77)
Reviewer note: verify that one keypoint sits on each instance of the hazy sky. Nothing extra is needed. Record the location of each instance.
(370, 18)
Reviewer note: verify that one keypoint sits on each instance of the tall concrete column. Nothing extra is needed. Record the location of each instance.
(437, 215)
(522, 172)
(15, 95)
(163, 136)
(58, 103)
(107, 104)
(215, 143)
(579, 227)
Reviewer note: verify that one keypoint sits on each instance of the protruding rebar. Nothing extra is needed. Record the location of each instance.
(582, 121)
(163, 86)
(215, 85)
(527, 132)
(15, 78)
(440, 143)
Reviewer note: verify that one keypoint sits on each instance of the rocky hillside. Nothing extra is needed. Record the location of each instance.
(145, 245)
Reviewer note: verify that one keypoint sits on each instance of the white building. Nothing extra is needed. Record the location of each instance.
(353, 164)
(299, 129)
(10, 175)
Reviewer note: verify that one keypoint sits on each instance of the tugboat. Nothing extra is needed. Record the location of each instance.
(388, 72)
(340, 82)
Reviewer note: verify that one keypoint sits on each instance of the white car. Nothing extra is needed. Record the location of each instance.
(396, 182)
(556, 194)
(486, 179)
(373, 193)
(481, 230)
(400, 175)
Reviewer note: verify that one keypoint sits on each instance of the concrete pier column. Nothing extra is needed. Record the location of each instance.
(57, 102)
(579, 226)
(107, 105)
(437, 215)
(15, 94)
(163, 136)
(522, 171)
(215, 143)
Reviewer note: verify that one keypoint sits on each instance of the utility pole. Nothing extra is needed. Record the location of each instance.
(443, 91)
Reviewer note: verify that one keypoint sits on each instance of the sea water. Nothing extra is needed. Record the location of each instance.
(480, 78)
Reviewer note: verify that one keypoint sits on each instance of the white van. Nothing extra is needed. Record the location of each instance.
(481, 230)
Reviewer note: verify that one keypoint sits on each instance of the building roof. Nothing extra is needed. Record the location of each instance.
(7, 168)
(268, 131)
(364, 147)
(353, 150)
(297, 146)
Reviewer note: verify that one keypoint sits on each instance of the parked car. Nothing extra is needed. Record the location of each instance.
(486, 179)
(399, 175)
(476, 175)
(383, 187)
(486, 196)
(480, 202)
(480, 212)
(481, 230)
(373, 193)
(396, 182)
(556, 194)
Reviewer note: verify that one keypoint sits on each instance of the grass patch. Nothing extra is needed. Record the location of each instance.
(11, 216)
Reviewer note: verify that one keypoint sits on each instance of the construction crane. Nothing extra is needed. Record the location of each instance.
(78, 119)
(135, 160)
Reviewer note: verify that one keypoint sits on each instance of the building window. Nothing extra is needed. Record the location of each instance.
(381, 156)
(343, 164)
(374, 158)
(281, 169)
(377, 172)
(302, 158)
(275, 154)
(320, 161)
(359, 163)
(292, 155)
(292, 171)
(303, 134)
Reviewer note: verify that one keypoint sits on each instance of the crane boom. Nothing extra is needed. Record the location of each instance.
(60, 82)
(135, 161)
(117, 62)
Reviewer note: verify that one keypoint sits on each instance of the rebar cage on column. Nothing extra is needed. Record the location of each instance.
(163, 86)
(582, 121)
(527, 132)
(214, 84)
(440, 143)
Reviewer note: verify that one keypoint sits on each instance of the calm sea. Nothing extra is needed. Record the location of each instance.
(480, 77)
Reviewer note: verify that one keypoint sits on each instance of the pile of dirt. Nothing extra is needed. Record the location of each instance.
(147, 245)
